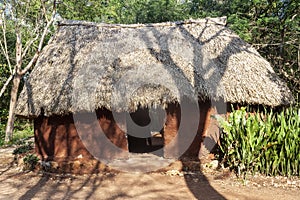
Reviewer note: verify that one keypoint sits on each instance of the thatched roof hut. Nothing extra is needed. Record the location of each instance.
(107, 68)
(197, 56)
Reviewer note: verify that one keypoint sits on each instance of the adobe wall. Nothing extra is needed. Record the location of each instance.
(56, 137)
(207, 135)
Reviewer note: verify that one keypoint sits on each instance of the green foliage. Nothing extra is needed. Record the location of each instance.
(241, 26)
(30, 161)
(4, 74)
(23, 149)
(2, 133)
(83, 10)
(25, 20)
(4, 100)
(273, 27)
(118, 11)
(264, 142)
(22, 132)
(25, 17)
(159, 11)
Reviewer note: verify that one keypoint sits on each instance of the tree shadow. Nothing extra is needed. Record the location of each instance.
(198, 183)
(211, 70)
(108, 186)
(7, 168)
(35, 189)
(93, 181)
(203, 70)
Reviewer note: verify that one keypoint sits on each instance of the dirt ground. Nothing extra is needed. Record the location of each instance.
(172, 184)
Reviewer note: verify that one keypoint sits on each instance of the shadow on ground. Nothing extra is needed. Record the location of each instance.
(105, 185)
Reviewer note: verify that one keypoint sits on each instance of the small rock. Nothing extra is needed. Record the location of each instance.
(214, 164)
(174, 173)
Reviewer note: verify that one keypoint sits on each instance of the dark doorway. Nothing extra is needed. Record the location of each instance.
(145, 131)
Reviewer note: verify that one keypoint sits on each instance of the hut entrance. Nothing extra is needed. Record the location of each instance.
(145, 131)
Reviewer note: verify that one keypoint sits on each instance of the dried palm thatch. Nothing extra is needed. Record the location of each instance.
(120, 67)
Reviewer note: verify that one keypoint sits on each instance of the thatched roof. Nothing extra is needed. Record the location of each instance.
(88, 65)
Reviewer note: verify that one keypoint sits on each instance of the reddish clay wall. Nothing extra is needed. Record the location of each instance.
(56, 137)
(207, 130)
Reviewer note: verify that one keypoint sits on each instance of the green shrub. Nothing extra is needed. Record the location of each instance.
(23, 130)
(2, 133)
(264, 142)
(24, 148)
(30, 161)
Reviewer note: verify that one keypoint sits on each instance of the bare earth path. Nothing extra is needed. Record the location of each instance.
(15, 184)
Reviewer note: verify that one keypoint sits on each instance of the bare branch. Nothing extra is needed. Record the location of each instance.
(30, 64)
(28, 45)
(35, 32)
(275, 44)
(18, 51)
(41, 42)
(44, 11)
(5, 85)
(4, 48)
(46, 29)
(6, 56)
(299, 57)
(26, 9)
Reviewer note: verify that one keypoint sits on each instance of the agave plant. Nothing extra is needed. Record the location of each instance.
(265, 142)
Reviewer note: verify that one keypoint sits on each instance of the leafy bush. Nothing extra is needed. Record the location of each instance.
(23, 149)
(23, 130)
(2, 133)
(264, 142)
(30, 161)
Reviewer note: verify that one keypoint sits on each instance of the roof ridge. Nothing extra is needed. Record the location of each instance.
(209, 20)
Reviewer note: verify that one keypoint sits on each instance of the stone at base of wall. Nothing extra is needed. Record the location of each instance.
(74, 167)
(93, 166)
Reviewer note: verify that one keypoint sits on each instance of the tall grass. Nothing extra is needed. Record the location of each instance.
(264, 142)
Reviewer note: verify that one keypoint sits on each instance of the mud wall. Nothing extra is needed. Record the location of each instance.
(207, 130)
(57, 138)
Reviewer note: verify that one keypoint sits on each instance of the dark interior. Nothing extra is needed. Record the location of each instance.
(142, 137)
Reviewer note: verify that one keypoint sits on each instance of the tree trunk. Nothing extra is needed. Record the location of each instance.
(12, 107)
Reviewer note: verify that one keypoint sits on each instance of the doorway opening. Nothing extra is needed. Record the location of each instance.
(145, 131)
